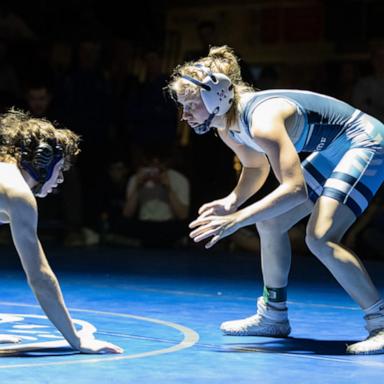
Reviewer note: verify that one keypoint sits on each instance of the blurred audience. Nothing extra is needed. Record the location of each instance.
(113, 199)
(207, 36)
(86, 108)
(62, 214)
(12, 25)
(269, 78)
(156, 206)
(38, 99)
(60, 61)
(10, 87)
(157, 119)
(368, 93)
(347, 75)
(106, 82)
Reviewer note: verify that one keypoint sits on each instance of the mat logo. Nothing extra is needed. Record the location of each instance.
(35, 331)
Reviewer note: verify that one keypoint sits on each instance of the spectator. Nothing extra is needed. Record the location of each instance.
(155, 106)
(156, 206)
(125, 92)
(86, 107)
(61, 64)
(39, 100)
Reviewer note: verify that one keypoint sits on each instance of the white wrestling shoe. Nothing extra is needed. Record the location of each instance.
(374, 343)
(268, 322)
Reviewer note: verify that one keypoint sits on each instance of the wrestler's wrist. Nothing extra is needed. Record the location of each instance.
(75, 341)
(244, 217)
(235, 203)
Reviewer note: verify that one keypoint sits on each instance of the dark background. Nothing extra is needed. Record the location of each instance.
(105, 66)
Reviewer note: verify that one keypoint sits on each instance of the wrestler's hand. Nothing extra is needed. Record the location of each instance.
(94, 346)
(219, 207)
(216, 227)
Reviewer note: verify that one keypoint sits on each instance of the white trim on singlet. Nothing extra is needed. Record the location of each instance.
(371, 155)
(244, 137)
(353, 117)
(348, 189)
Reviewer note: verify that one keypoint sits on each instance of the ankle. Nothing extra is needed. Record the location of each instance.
(376, 308)
(275, 298)
(278, 306)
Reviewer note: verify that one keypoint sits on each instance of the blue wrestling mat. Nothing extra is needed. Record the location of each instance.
(165, 309)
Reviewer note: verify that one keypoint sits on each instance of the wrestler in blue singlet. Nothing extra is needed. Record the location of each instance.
(347, 162)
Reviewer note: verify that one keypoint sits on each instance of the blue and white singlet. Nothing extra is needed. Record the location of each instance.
(347, 162)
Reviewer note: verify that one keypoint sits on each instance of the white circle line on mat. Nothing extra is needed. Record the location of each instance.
(190, 337)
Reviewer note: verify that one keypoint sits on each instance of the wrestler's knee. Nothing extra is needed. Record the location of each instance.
(317, 244)
(273, 226)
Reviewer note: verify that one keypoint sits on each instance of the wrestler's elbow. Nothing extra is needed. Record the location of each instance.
(300, 190)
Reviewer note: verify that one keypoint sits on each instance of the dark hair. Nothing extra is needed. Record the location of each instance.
(21, 133)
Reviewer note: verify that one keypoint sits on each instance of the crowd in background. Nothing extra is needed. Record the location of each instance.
(141, 176)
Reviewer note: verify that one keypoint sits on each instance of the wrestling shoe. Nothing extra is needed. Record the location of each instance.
(268, 322)
(374, 343)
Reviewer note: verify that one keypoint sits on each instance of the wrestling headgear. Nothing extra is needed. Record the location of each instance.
(217, 93)
(41, 163)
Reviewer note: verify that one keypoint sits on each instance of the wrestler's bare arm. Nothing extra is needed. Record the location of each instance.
(22, 212)
(269, 131)
(21, 208)
(254, 172)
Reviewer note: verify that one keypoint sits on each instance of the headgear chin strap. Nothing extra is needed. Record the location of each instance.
(217, 93)
(42, 163)
(204, 127)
